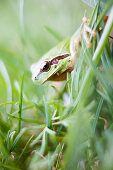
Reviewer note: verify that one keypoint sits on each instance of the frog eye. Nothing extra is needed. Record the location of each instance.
(46, 66)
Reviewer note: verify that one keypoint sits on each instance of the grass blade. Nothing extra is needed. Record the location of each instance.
(21, 13)
(48, 119)
(25, 147)
(96, 58)
(42, 149)
(54, 33)
(5, 75)
(104, 38)
(22, 132)
(20, 105)
(37, 138)
(8, 167)
(97, 114)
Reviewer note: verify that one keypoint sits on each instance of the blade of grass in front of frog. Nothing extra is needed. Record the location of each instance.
(104, 38)
(21, 19)
(39, 109)
(107, 58)
(48, 118)
(59, 157)
(111, 37)
(96, 58)
(108, 53)
(25, 120)
(54, 156)
(37, 139)
(42, 149)
(23, 108)
(20, 105)
(22, 119)
(94, 16)
(72, 94)
(59, 130)
(77, 138)
(104, 11)
(92, 3)
(68, 83)
(112, 50)
(97, 115)
(104, 95)
(76, 76)
(3, 165)
(6, 78)
(104, 62)
(6, 103)
(21, 133)
(25, 147)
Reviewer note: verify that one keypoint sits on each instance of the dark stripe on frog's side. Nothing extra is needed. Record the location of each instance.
(56, 59)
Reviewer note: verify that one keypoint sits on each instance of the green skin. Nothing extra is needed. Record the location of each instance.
(68, 46)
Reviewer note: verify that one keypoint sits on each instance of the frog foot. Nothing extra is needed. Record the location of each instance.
(87, 30)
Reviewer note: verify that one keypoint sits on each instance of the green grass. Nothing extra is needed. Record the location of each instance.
(41, 127)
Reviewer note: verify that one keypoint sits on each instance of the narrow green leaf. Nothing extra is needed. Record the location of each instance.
(54, 33)
(96, 58)
(8, 167)
(21, 18)
(51, 132)
(23, 108)
(54, 157)
(22, 132)
(42, 149)
(6, 103)
(97, 115)
(104, 38)
(20, 105)
(92, 3)
(38, 108)
(48, 118)
(24, 149)
(6, 78)
(36, 139)
(104, 12)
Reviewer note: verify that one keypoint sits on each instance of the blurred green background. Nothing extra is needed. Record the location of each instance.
(24, 39)
(29, 29)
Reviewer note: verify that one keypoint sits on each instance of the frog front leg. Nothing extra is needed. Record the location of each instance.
(75, 43)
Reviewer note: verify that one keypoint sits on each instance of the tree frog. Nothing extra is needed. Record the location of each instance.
(54, 65)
